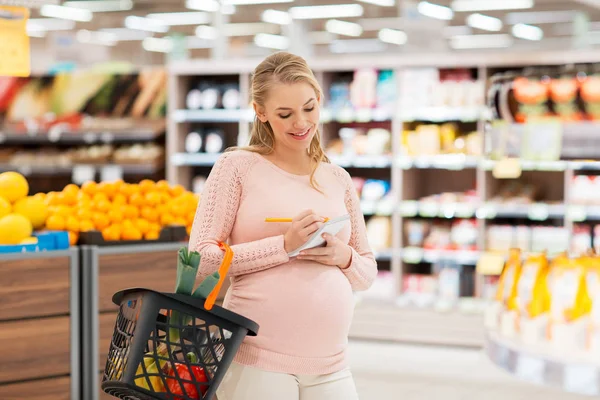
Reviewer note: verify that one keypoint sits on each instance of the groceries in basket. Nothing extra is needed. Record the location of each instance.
(174, 346)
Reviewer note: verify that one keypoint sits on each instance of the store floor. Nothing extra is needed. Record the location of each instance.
(385, 371)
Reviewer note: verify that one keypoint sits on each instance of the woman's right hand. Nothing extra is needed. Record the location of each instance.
(303, 225)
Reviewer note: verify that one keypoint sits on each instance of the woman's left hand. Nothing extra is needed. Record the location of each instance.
(335, 253)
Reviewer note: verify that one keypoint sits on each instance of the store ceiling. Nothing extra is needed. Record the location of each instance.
(555, 19)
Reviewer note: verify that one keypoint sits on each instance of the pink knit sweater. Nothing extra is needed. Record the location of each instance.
(304, 308)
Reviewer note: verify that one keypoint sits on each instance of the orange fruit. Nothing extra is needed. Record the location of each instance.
(72, 224)
(55, 223)
(188, 229)
(136, 199)
(86, 225)
(83, 197)
(131, 233)
(50, 198)
(99, 197)
(151, 235)
(100, 221)
(84, 213)
(152, 198)
(166, 219)
(162, 185)
(179, 221)
(71, 188)
(177, 208)
(102, 206)
(69, 198)
(108, 188)
(115, 215)
(176, 190)
(142, 225)
(73, 237)
(155, 226)
(150, 214)
(131, 212)
(189, 218)
(146, 185)
(90, 188)
(111, 234)
(127, 189)
(63, 211)
(40, 196)
(119, 199)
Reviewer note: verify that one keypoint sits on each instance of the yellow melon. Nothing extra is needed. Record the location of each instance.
(5, 207)
(14, 228)
(13, 186)
(34, 209)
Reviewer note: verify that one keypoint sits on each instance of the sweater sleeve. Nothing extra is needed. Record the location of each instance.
(363, 267)
(216, 215)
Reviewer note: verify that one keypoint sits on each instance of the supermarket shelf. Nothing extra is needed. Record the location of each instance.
(583, 213)
(526, 165)
(443, 114)
(138, 131)
(575, 373)
(217, 115)
(455, 162)
(348, 115)
(534, 212)
(361, 161)
(194, 159)
(384, 255)
(416, 255)
(128, 169)
(411, 208)
(382, 208)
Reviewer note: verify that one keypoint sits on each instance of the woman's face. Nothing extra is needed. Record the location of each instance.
(293, 112)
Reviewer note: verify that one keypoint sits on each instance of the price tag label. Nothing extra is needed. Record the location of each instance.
(538, 212)
(508, 168)
(15, 59)
(409, 208)
(464, 210)
(412, 255)
(582, 379)
(83, 173)
(530, 368)
(364, 115)
(490, 264)
(404, 162)
(429, 209)
(111, 173)
(577, 213)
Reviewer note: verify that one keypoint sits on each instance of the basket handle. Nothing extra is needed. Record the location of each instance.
(223, 269)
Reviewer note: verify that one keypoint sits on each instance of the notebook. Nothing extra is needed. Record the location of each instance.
(333, 227)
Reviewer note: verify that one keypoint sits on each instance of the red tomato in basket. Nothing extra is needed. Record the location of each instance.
(189, 389)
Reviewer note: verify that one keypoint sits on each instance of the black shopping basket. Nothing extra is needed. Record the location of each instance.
(153, 356)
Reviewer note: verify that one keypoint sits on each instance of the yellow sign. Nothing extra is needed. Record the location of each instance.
(14, 43)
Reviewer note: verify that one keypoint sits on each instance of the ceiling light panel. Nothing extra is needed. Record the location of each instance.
(392, 36)
(271, 41)
(49, 24)
(101, 5)
(487, 5)
(435, 11)
(70, 13)
(145, 24)
(203, 5)
(207, 32)
(527, 32)
(343, 28)
(182, 18)
(484, 22)
(321, 37)
(160, 45)
(276, 17)
(492, 41)
(246, 2)
(381, 3)
(327, 11)
(456, 30)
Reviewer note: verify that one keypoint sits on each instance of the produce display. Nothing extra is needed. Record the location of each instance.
(121, 211)
(20, 214)
(552, 301)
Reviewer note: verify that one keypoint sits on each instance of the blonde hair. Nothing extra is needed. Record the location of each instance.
(287, 68)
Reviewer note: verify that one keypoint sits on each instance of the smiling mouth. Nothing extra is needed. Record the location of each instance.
(300, 134)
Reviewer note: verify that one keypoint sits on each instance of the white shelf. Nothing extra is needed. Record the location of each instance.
(416, 255)
(533, 212)
(526, 165)
(194, 159)
(349, 115)
(443, 114)
(576, 373)
(361, 161)
(217, 115)
(455, 162)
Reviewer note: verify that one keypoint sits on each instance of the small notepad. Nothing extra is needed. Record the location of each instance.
(333, 227)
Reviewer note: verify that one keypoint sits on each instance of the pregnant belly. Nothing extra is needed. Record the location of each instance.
(303, 309)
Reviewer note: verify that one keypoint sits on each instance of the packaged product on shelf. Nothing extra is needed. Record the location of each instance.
(231, 98)
(590, 94)
(374, 189)
(386, 90)
(378, 142)
(531, 93)
(415, 232)
(597, 239)
(570, 303)
(339, 95)
(550, 239)
(532, 298)
(449, 285)
(379, 232)
(419, 290)
(564, 92)
(194, 142)
(211, 96)
(214, 141)
(503, 311)
(581, 241)
(363, 89)
(383, 287)
(463, 234)
(592, 275)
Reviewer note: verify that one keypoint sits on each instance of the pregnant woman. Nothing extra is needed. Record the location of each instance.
(303, 304)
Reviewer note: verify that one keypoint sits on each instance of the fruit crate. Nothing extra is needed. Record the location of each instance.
(47, 241)
(168, 234)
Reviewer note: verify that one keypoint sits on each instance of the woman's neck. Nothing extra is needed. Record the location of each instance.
(292, 160)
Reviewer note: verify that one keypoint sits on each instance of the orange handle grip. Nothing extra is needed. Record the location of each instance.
(223, 269)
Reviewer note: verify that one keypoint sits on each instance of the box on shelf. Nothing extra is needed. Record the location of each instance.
(46, 241)
(168, 234)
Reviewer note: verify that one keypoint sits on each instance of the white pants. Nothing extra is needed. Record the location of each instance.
(247, 383)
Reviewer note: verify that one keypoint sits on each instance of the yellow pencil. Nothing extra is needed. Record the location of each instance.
(284, 219)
